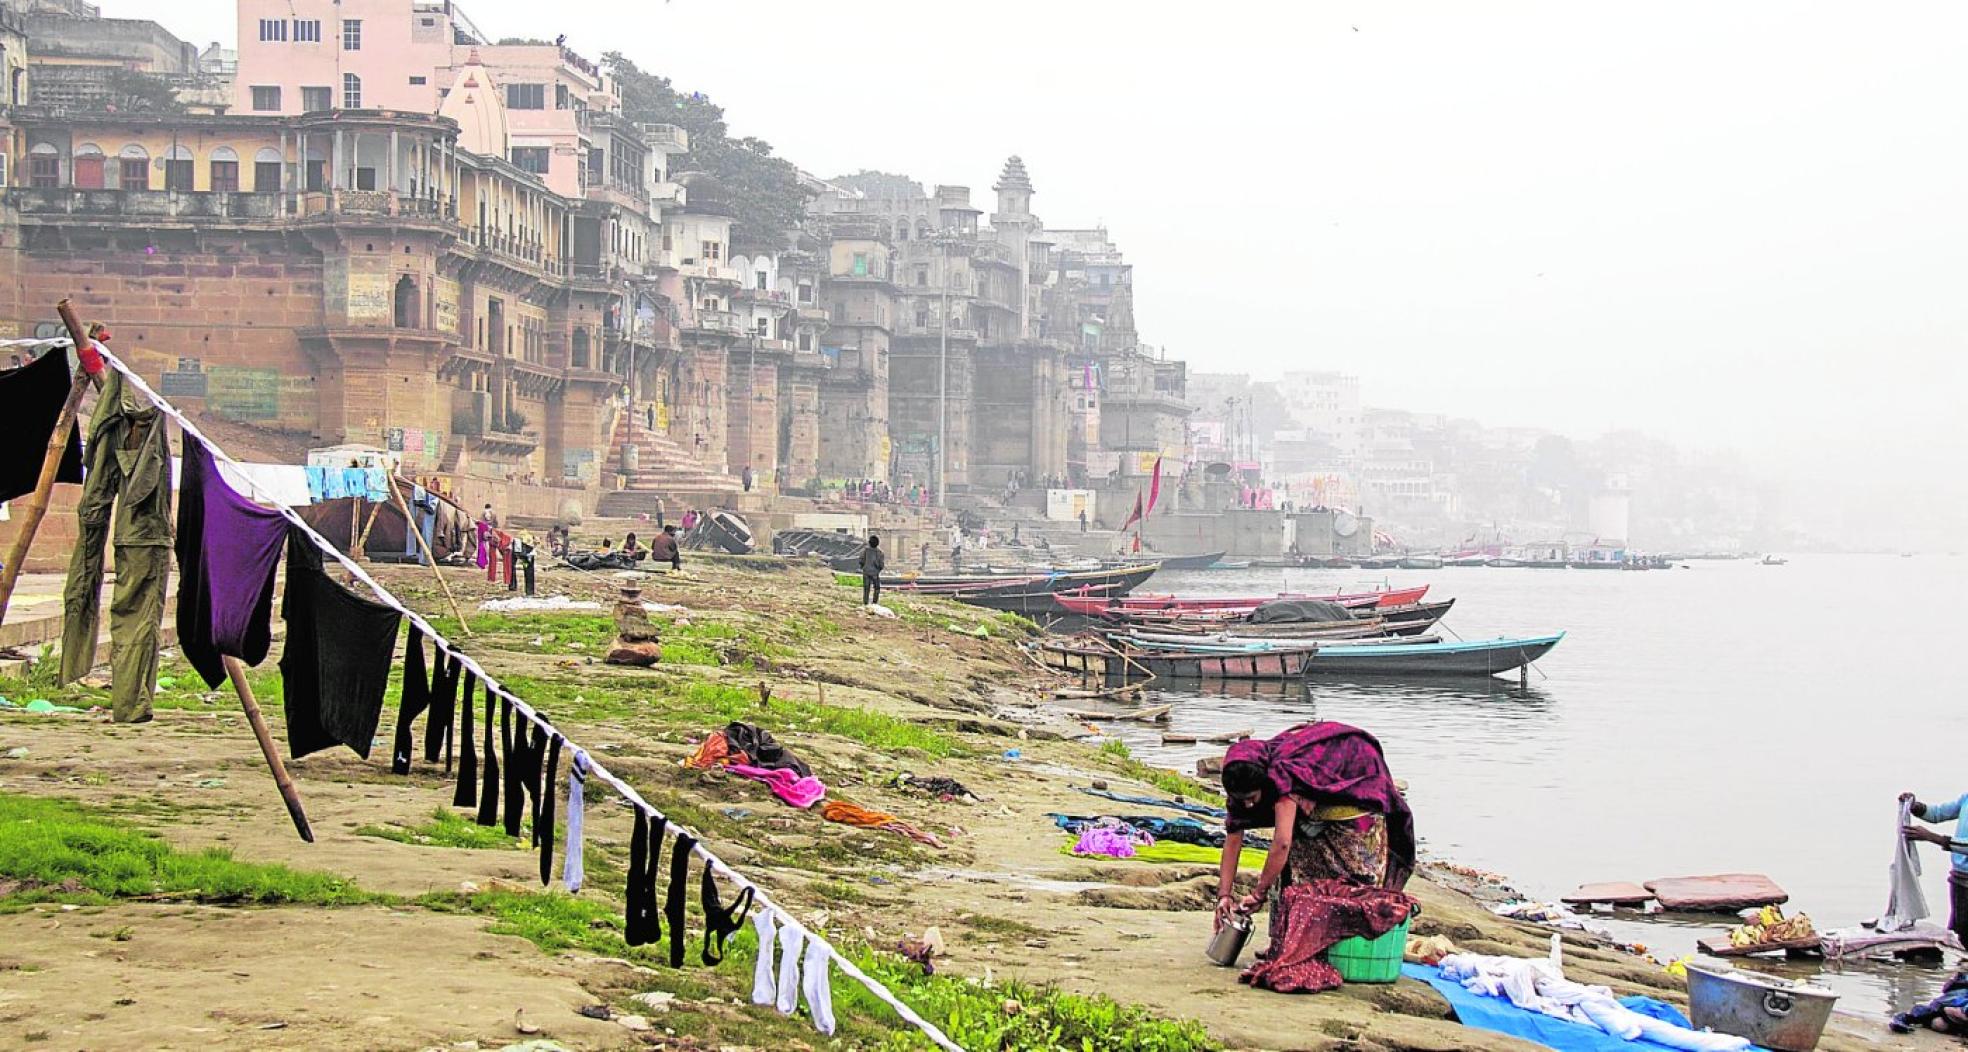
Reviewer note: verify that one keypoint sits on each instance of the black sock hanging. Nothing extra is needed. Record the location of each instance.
(443, 709)
(488, 792)
(467, 794)
(721, 923)
(673, 901)
(529, 774)
(515, 785)
(412, 702)
(543, 823)
(642, 925)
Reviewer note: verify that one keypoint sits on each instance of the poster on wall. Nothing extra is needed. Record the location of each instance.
(243, 393)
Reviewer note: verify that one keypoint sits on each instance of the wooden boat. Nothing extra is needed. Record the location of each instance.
(724, 531)
(1421, 562)
(1487, 658)
(1195, 604)
(1229, 564)
(1045, 595)
(1101, 660)
(1227, 641)
(1192, 562)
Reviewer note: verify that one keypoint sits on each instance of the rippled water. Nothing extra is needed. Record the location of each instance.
(1727, 717)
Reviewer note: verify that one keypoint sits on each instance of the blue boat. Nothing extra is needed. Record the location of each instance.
(1486, 658)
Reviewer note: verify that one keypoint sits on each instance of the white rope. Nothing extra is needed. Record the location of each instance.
(492, 685)
(48, 343)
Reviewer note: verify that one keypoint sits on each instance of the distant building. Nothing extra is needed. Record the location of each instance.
(1328, 404)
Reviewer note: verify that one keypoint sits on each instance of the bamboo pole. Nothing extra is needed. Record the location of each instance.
(362, 542)
(410, 523)
(44, 485)
(236, 672)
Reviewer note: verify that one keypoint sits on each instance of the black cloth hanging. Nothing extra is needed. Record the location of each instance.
(764, 750)
(679, 887)
(31, 397)
(515, 749)
(443, 709)
(488, 792)
(641, 926)
(414, 699)
(335, 668)
(721, 923)
(543, 817)
(467, 794)
(523, 757)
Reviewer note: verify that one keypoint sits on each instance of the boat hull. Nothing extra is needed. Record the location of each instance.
(1490, 658)
(1179, 665)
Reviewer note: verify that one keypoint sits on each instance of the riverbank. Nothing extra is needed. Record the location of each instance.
(425, 935)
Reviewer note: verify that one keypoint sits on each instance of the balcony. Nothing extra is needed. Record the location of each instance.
(709, 270)
(758, 295)
(723, 321)
(957, 332)
(665, 137)
(366, 203)
(511, 248)
(145, 204)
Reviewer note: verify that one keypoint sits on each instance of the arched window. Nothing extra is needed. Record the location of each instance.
(922, 228)
(225, 170)
(351, 91)
(580, 348)
(902, 230)
(88, 166)
(267, 171)
(44, 165)
(132, 168)
(405, 302)
(178, 168)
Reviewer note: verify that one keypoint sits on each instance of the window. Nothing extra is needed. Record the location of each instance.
(365, 178)
(531, 158)
(922, 317)
(177, 174)
(860, 264)
(351, 91)
(712, 251)
(805, 340)
(805, 292)
(560, 96)
(314, 100)
(762, 280)
(225, 176)
(922, 275)
(352, 34)
(44, 168)
(762, 326)
(266, 177)
(307, 30)
(267, 99)
(526, 96)
(419, 81)
(88, 167)
(133, 173)
(273, 30)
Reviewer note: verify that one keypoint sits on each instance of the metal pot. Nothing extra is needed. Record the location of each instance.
(1771, 1012)
(1229, 940)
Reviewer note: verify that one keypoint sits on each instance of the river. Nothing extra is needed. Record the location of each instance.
(1727, 717)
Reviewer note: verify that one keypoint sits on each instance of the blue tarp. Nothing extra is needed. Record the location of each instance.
(1498, 1015)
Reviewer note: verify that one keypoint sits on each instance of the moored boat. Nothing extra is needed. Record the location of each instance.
(1112, 665)
(1195, 604)
(1485, 658)
(1192, 562)
(1421, 562)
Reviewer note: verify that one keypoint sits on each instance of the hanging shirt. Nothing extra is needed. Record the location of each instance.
(1906, 905)
(32, 397)
(317, 483)
(336, 665)
(228, 549)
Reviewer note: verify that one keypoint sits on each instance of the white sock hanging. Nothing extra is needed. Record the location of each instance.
(572, 874)
(816, 986)
(791, 938)
(763, 992)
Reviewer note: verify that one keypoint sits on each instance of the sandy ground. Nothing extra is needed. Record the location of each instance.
(1008, 903)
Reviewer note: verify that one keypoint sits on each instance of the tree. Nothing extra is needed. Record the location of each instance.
(133, 91)
(768, 202)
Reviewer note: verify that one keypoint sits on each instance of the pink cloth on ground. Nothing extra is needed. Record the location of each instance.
(1103, 841)
(786, 785)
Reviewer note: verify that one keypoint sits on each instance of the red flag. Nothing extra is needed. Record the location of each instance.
(1155, 486)
(1135, 515)
(1137, 542)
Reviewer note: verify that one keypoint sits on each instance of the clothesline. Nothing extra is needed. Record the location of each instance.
(43, 343)
(597, 769)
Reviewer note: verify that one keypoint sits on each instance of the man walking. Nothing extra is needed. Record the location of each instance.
(872, 564)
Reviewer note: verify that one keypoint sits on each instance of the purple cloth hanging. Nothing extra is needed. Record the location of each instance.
(228, 549)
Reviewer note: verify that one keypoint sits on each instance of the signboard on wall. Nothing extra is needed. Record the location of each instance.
(243, 393)
(446, 301)
(1065, 505)
(185, 381)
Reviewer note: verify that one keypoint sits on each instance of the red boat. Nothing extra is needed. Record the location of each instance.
(1095, 606)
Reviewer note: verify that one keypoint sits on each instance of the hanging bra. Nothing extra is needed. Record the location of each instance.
(720, 923)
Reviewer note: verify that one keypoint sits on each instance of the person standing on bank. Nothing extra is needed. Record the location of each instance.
(1956, 811)
(872, 564)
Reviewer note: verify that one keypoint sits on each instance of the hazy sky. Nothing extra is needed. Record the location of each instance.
(1733, 225)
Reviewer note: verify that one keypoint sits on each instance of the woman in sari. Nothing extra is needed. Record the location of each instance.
(1336, 814)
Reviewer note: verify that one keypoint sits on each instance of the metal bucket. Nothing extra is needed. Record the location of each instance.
(1229, 940)
(1770, 1012)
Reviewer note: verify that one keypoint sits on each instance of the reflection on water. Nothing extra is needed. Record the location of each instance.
(1717, 719)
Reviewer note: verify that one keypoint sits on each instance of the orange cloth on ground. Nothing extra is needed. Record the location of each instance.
(855, 815)
(715, 752)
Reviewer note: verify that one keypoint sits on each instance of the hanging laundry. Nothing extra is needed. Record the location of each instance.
(1317, 915)
(335, 668)
(765, 986)
(762, 749)
(720, 922)
(334, 484)
(572, 872)
(443, 709)
(354, 483)
(645, 843)
(1906, 904)
(228, 549)
(855, 815)
(543, 819)
(412, 700)
(792, 939)
(129, 474)
(498, 556)
(375, 484)
(484, 530)
(673, 899)
(488, 792)
(801, 792)
(32, 397)
(467, 792)
(317, 483)
(815, 984)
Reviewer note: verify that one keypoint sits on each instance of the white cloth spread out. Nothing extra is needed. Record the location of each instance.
(1907, 904)
(792, 938)
(572, 873)
(763, 990)
(1539, 985)
(817, 988)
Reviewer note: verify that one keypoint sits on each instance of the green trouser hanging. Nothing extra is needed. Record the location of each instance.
(129, 475)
